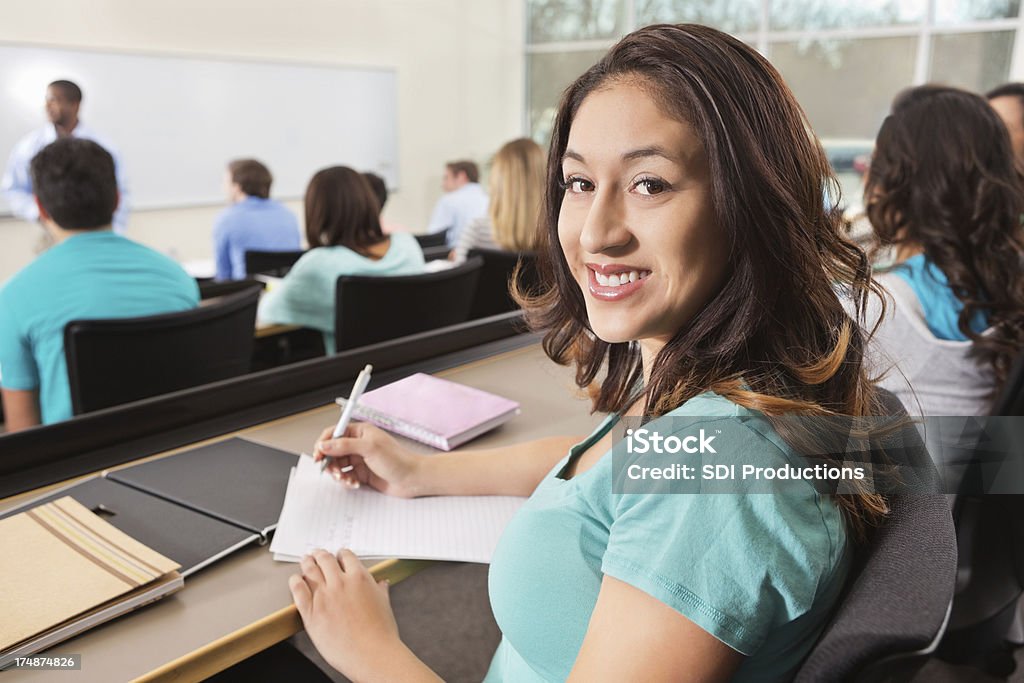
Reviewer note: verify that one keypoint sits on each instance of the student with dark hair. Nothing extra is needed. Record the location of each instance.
(379, 187)
(463, 201)
(689, 269)
(89, 273)
(944, 191)
(63, 99)
(1008, 101)
(253, 222)
(345, 238)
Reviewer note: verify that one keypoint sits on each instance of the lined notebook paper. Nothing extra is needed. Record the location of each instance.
(60, 562)
(319, 512)
(434, 411)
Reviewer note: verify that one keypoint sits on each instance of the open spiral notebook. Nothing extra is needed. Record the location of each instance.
(319, 512)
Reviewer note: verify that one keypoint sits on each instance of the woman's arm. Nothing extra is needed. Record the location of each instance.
(633, 636)
(380, 461)
(348, 616)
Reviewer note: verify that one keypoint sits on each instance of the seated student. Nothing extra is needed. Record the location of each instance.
(380, 189)
(344, 235)
(253, 222)
(944, 191)
(690, 263)
(515, 186)
(1008, 101)
(463, 200)
(89, 273)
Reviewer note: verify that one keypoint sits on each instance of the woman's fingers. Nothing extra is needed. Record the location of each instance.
(350, 563)
(328, 565)
(324, 436)
(312, 572)
(301, 595)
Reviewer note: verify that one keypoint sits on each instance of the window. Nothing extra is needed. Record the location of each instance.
(844, 59)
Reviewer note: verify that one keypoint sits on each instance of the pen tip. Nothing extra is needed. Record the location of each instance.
(368, 368)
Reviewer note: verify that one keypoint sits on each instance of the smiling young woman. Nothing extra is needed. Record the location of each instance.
(691, 265)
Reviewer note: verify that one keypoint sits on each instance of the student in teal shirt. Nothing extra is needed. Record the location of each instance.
(690, 265)
(345, 238)
(90, 273)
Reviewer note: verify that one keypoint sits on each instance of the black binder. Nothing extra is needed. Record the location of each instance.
(236, 481)
(194, 507)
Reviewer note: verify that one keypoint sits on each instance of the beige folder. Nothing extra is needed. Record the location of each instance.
(62, 565)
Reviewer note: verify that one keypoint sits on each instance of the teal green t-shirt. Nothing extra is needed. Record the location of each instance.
(759, 571)
(306, 295)
(91, 275)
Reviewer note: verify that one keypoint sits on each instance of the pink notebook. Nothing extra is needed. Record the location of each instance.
(434, 411)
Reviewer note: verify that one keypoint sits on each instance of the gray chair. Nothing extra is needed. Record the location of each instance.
(990, 535)
(896, 606)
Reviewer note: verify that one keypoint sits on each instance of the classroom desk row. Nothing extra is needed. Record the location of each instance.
(241, 605)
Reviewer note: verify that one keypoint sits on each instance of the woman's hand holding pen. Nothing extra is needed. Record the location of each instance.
(367, 454)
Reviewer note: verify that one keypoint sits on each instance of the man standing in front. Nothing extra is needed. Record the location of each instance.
(63, 99)
(463, 202)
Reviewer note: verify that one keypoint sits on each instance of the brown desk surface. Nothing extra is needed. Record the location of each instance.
(241, 604)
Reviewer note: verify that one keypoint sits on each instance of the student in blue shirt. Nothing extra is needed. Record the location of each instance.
(463, 200)
(253, 222)
(689, 262)
(345, 238)
(90, 273)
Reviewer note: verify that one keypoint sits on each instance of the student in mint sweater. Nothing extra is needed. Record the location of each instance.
(345, 238)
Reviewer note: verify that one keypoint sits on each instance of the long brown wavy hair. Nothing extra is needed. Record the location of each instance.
(775, 338)
(943, 178)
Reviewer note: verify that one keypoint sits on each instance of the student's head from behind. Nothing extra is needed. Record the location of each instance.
(1008, 101)
(516, 188)
(459, 173)
(379, 187)
(75, 185)
(342, 210)
(248, 178)
(62, 101)
(943, 180)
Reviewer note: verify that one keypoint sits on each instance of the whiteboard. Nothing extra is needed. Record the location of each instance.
(177, 121)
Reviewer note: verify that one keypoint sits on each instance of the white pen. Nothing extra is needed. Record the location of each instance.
(350, 405)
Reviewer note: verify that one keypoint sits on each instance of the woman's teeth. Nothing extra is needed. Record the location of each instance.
(616, 280)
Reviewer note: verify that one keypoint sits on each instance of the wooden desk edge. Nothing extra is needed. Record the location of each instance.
(245, 642)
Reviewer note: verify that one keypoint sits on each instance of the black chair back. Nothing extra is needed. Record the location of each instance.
(121, 360)
(208, 289)
(274, 263)
(492, 289)
(990, 535)
(433, 239)
(897, 602)
(370, 309)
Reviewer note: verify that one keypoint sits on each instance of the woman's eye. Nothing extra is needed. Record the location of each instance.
(575, 184)
(650, 186)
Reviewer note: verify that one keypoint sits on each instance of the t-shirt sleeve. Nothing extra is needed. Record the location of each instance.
(737, 565)
(18, 369)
